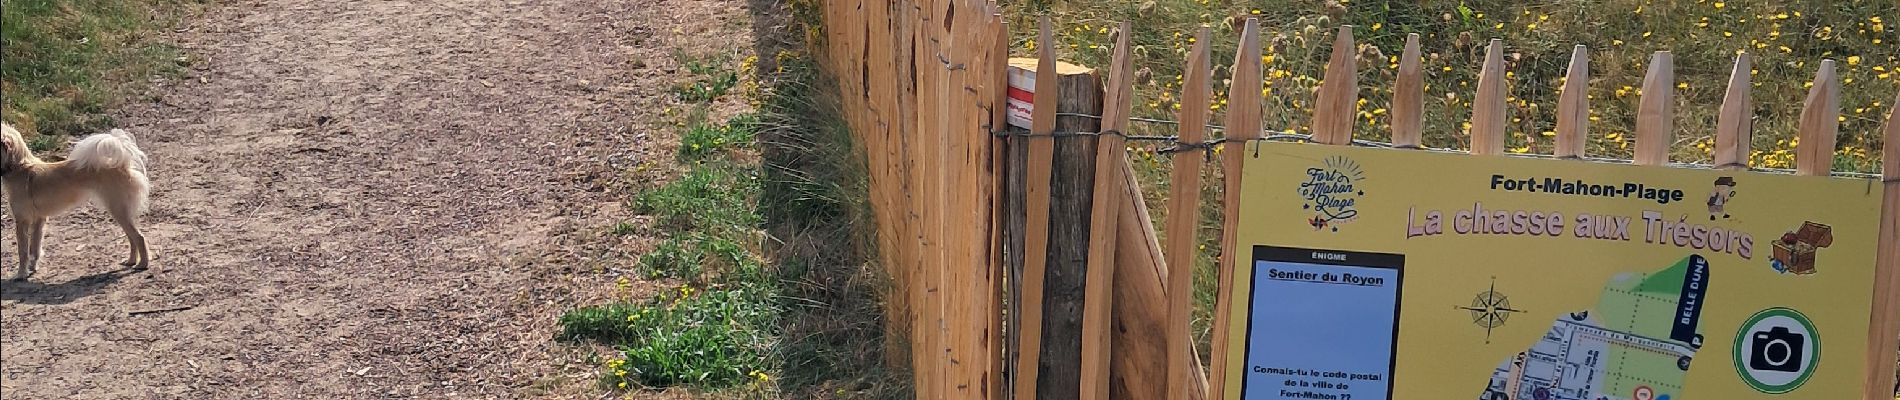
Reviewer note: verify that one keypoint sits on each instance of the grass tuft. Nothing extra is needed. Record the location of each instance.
(714, 196)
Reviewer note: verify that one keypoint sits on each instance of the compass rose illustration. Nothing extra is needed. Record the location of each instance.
(1490, 309)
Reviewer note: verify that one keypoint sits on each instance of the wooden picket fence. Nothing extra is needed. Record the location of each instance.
(1024, 262)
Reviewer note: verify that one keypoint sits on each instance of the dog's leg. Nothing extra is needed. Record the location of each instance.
(20, 234)
(36, 231)
(126, 215)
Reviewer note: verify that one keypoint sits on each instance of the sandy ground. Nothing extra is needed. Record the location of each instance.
(366, 199)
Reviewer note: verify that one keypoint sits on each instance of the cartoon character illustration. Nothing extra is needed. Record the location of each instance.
(1794, 253)
(1724, 189)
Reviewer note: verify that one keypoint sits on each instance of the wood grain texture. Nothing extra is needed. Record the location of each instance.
(1408, 98)
(1141, 316)
(1884, 330)
(1003, 252)
(1036, 227)
(1183, 222)
(1487, 106)
(1655, 116)
(1071, 193)
(1820, 124)
(1243, 125)
(1734, 122)
(1573, 106)
(1335, 106)
(1097, 320)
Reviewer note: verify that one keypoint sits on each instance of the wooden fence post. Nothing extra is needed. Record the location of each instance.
(1097, 324)
(1573, 106)
(1071, 194)
(1733, 124)
(1655, 122)
(1408, 98)
(1884, 329)
(1183, 220)
(1036, 227)
(1820, 123)
(1007, 250)
(1335, 107)
(1487, 106)
(1243, 125)
(1141, 274)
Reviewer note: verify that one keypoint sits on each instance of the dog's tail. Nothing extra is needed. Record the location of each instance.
(112, 150)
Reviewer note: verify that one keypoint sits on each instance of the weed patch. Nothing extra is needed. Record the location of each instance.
(708, 340)
(703, 139)
(693, 255)
(713, 196)
(711, 80)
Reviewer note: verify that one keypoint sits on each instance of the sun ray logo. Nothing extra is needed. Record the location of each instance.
(1331, 191)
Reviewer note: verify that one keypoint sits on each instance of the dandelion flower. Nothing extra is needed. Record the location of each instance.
(1853, 60)
(1719, 5)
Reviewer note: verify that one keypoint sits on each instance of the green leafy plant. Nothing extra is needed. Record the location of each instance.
(711, 197)
(702, 139)
(712, 339)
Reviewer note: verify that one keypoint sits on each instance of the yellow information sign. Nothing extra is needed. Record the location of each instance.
(1412, 275)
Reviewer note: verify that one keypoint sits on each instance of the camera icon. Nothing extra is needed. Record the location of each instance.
(1776, 349)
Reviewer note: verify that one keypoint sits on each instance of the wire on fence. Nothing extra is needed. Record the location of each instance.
(1276, 136)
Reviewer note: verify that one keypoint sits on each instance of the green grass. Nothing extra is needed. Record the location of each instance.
(693, 255)
(703, 139)
(712, 196)
(65, 62)
(706, 340)
(719, 332)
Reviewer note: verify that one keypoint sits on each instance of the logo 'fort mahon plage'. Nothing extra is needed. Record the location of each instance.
(1330, 191)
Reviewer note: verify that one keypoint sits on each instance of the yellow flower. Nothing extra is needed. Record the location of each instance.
(1531, 27)
(1853, 60)
(1646, 34)
(1781, 16)
(623, 384)
(1376, 26)
(1719, 5)
(1616, 42)
(1683, 85)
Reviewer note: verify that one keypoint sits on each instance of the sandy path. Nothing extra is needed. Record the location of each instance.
(362, 199)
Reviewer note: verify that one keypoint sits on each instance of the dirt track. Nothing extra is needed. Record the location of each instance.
(364, 199)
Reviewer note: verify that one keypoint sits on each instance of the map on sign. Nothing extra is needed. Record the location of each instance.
(1637, 344)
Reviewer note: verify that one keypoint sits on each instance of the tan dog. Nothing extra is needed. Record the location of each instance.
(107, 168)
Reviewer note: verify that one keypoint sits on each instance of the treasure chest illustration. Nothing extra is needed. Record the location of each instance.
(1794, 253)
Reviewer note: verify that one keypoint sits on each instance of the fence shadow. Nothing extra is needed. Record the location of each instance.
(833, 334)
